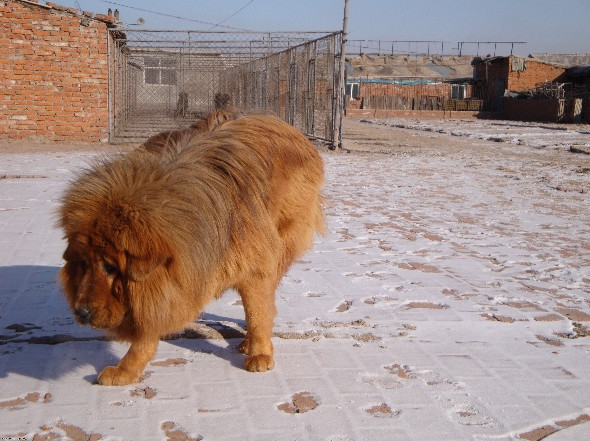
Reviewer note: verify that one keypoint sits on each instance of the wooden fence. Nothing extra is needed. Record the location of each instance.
(413, 95)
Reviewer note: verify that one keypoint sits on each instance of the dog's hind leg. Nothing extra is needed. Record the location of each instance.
(130, 368)
(259, 306)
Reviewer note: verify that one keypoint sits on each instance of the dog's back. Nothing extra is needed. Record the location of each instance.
(295, 175)
(267, 177)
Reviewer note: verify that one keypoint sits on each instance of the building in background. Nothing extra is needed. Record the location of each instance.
(53, 72)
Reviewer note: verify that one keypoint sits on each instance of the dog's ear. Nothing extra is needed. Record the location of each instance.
(145, 251)
(139, 268)
(69, 253)
(143, 244)
(74, 243)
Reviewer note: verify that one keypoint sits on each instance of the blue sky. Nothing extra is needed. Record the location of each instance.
(557, 26)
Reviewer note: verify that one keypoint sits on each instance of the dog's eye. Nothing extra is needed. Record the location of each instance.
(110, 270)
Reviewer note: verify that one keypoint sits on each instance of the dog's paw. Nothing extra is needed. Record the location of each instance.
(259, 363)
(116, 376)
(244, 346)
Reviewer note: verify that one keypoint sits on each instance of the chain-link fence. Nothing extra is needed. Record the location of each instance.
(167, 79)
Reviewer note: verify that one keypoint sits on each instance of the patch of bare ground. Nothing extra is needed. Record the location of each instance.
(574, 314)
(144, 392)
(360, 136)
(169, 362)
(59, 431)
(297, 335)
(174, 433)
(366, 337)
(424, 305)
(579, 331)
(300, 402)
(21, 402)
(382, 411)
(543, 432)
(344, 306)
(497, 318)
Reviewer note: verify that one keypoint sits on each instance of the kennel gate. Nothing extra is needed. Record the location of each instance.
(161, 80)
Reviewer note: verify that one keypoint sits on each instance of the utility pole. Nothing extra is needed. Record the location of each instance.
(341, 90)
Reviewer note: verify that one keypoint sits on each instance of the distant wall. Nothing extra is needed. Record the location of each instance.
(531, 110)
(53, 73)
(575, 110)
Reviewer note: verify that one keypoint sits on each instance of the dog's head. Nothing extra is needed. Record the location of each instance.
(106, 266)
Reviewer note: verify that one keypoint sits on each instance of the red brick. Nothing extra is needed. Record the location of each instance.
(41, 77)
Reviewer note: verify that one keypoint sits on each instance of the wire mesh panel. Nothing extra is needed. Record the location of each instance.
(167, 79)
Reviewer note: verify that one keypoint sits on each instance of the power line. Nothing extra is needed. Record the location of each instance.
(180, 18)
(234, 14)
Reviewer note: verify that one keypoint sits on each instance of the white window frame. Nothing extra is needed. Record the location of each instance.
(353, 90)
(458, 91)
(156, 67)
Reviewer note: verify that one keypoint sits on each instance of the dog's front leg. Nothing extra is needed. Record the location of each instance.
(130, 368)
(259, 306)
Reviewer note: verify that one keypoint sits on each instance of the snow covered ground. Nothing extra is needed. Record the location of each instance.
(450, 300)
(532, 134)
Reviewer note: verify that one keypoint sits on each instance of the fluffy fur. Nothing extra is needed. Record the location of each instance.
(172, 139)
(214, 120)
(157, 234)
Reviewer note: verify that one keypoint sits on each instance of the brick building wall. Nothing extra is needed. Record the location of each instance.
(491, 71)
(535, 73)
(499, 74)
(53, 73)
(500, 69)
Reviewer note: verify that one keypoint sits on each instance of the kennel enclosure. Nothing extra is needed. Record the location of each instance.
(160, 80)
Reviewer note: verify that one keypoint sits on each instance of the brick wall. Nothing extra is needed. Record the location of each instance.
(498, 76)
(500, 69)
(53, 73)
(535, 73)
(492, 71)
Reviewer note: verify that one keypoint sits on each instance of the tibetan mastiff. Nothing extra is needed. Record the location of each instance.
(156, 234)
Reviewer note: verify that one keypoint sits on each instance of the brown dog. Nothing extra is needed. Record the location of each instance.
(152, 238)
